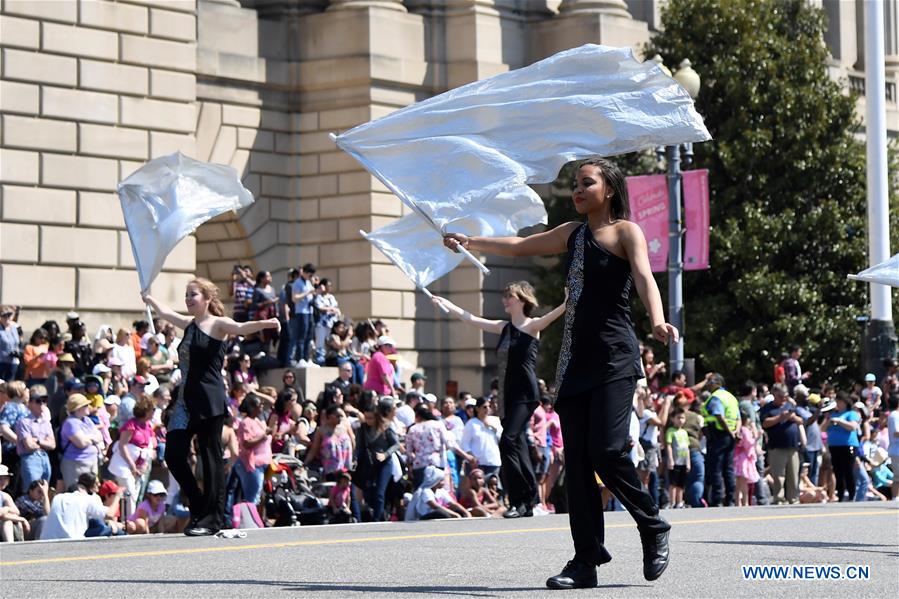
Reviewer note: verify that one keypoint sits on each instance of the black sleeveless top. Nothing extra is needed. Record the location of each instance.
(517, 353)
(200, 361)
(598, 344)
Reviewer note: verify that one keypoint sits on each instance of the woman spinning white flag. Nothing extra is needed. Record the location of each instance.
(463, 160)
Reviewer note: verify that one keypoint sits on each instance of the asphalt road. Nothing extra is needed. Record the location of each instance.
(476, 558)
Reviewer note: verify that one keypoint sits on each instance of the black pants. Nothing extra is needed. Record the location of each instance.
(843, 460)
(207, 506)
(595, 429)
(517, 468)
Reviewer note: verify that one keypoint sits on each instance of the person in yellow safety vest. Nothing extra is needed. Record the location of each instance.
(721, 413)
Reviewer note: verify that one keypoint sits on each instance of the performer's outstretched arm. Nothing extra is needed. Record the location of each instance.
(491, 326)
(165, 312)
(538, 324)
(554, 241)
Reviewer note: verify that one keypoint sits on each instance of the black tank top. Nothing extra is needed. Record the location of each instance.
(598, 343)
(200, 361)
(517, 353)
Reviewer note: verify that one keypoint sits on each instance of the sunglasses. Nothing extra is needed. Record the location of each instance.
(39, 399)
(7, 314)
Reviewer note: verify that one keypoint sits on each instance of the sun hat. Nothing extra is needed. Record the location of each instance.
(829, 404)
(4, 471)
(75, 402)
(814, 399)
(67, 358)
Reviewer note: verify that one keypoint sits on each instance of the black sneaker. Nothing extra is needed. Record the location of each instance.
(526, 511)
(655, 554)
(575, 575)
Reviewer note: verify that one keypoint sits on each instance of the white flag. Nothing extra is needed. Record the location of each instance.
(451, 155)
(885, 273)
(167, 199)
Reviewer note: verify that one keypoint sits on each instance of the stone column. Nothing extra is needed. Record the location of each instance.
(610, 7)
(336, 5)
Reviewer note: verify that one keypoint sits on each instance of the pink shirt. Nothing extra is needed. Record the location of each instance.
(378, 368)
(258, 455)
(555, 429)
(340, 498)
(143, 432)
(538, 426)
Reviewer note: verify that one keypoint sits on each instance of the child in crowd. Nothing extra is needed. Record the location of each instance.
(150, 513)
(428, 503)
(809, 492)
(339, 502)
(744, 461)
(677, 447)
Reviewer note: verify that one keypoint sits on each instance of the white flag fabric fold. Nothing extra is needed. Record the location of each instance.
(885, 273)
(417, 249)
(167, 199)
(451, 155)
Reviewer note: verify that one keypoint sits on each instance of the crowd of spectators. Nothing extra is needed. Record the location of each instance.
(82, 421)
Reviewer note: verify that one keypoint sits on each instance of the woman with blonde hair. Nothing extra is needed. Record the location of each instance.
(124, 351)
(201, 404)
(519, 394)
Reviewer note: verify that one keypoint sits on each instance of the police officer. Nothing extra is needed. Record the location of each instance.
(721, 414)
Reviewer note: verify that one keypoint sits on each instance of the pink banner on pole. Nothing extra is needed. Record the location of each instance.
(649, 209)
(696, 219)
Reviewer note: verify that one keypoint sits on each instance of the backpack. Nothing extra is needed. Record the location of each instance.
(245, 515)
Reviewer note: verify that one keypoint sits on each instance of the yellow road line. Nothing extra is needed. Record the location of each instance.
(439, 535)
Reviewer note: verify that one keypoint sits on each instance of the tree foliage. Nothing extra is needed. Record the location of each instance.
(787, 182)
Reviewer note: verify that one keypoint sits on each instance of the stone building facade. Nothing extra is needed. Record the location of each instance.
(91, 89)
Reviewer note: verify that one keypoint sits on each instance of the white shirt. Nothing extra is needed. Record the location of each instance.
(892, 428)
(454, 426)
(482, 442)
(69, 513)
(419, 506)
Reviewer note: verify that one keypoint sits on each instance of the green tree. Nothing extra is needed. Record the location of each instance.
(787, 181)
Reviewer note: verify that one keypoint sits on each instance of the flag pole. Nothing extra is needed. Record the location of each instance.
(421, 288)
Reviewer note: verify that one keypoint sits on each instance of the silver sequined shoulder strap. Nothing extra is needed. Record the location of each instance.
(575, 287)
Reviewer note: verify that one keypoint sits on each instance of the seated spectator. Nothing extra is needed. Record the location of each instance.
(161, 365)
(34, 505)
(133, 453)
(406, 412)
(104, 333)
(427, 443)
(241, 291)
(281, 421)
(37, 358)
(80, 441)
(243, 373)
(339, 500)
(35, 439)
(477, 499)
(380, 371)
(70, 512)
(13, 526)
(428, 503)
(11, 413)
(123, 350)
(10, 350)
(150, 513)
(143, 371)
(137, 386)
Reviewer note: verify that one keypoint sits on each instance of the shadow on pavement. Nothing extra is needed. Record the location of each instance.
(285, 586)
(838, 546)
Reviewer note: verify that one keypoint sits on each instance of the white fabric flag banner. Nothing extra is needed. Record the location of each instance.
(885, 273)
(451, 156)
(167, 199)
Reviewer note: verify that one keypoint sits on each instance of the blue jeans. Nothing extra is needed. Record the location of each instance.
(375, 489)
(250, 482)
(812, 458)
(695, 478)
(8, 371)
(720, 462)
(861, 483)
(300, 337)
(34, 466)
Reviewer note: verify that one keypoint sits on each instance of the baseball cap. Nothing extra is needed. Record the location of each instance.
(114, 361)
(471, 402)
(385, 340)
(103, 346)
(75, 402)
(72, 315)
(137, 380)
(155, 487)
(860, 406)
(4, 471)
(144, 339)
(828, 405)
(870, 378)
(800, 389)
(73, 385)
(430, 398)
(101, 368)
(108, 488)
(113, 400)
(814, 399)
(418, 376)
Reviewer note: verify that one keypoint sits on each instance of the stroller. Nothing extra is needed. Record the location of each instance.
(288, 494)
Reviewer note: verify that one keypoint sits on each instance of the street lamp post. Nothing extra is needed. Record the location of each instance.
(689, 79)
